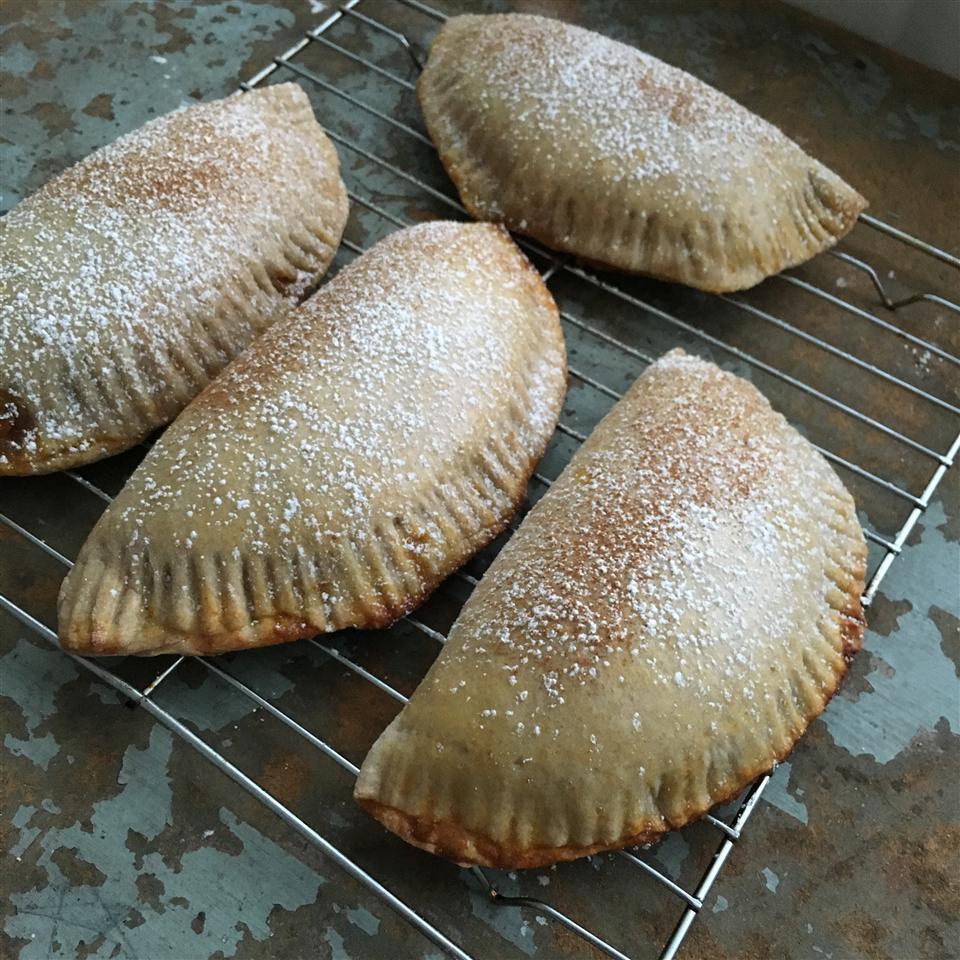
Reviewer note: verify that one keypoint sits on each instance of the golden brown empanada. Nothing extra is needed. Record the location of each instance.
(600, 150)
(333, 475)
(659, 631)
(128, 281)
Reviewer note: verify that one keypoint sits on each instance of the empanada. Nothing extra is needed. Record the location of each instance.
(131, 279)
(602, 151)
(332, 476)
(659, 631)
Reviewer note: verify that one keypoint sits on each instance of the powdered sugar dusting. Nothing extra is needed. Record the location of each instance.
(117, 265)
(347, 415)
(684, 561)
(640, 119)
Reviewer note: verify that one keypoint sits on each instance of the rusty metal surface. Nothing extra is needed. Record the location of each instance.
(120, 841)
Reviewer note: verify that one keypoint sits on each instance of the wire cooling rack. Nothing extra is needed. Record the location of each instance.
(844, 347)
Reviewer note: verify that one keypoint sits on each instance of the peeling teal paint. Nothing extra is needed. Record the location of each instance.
(64, 915)
(336, 944)
(21, 820)
(146, 784)
(19, 60)
(896, 128)
(365, 920)
(141, 87)
(22, 817)
(214, 705)
(720, 905)
(32, 677)
(106, 695)
(210, 707)
(912, 686)
(771, 879)
(507, 922)
(39, 750)
(777, 794)
(671, 852)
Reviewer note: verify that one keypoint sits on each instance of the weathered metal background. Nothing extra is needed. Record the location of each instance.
(121, 841)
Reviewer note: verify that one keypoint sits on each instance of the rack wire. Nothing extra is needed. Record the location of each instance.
(348, 73)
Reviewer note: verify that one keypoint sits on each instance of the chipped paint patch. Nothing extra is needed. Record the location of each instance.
(32, 678)
(22, 817)
(671, 852)
(65, 915)
(777, 794)
(38, 750)
(336, 944)
(365, 920)
(721, 904)
(188, 58)
(508, 922)
(912, 683)
(215, 704)
(771, 879)
(21, 821)
(106, 695)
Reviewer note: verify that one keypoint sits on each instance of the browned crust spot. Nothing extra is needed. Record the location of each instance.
(853, 621)
(16, 423)
(62, 455)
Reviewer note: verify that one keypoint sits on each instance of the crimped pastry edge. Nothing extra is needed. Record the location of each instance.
(468, 848)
